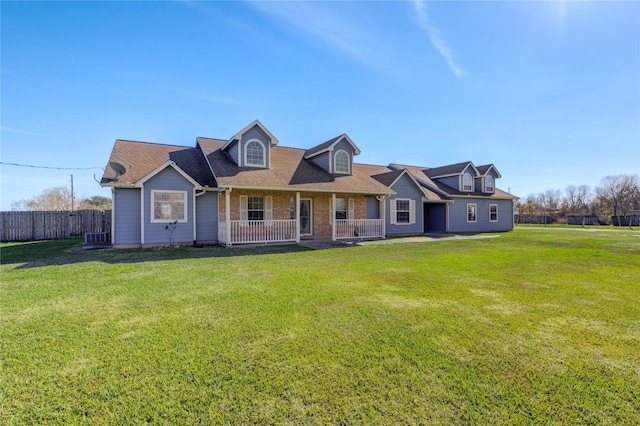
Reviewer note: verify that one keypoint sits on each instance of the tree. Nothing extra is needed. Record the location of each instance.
(576, 199)
(550, 202)
(59, 198)
(618, 194)
(95, 202)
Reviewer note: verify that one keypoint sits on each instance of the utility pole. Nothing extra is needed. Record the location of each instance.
(72, 206)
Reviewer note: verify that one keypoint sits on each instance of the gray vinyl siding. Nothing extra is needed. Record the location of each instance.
(233, 152)
(168, 180)
(405, 188)
(458, 215)
(373, 208)
(452, 181)
(207, 217)
(126, 216)
(322, 161)
(256, 133)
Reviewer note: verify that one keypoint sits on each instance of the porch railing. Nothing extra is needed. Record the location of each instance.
(257, 231)
(359, 228)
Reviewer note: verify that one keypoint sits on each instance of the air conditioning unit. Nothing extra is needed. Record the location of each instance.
(96, 238)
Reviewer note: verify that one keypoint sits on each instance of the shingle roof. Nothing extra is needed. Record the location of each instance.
(451, 169)
(142, 158)
(289, 171)
(327, 145)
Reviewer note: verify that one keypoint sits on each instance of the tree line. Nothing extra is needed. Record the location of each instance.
(615, 196)
(61, 199)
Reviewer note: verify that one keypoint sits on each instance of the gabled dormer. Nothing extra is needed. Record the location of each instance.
(460, 176)
(486, 180)
(335, 156)
(251, 146)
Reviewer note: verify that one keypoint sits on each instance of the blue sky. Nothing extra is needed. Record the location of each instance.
(547, 91)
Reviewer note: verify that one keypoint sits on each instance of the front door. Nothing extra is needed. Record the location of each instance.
(306, 217)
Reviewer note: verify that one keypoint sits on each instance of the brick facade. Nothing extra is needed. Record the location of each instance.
(282, 202)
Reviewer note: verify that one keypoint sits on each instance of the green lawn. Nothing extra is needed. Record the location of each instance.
(533, 326)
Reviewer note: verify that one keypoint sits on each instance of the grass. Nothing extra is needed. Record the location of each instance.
(534, 326)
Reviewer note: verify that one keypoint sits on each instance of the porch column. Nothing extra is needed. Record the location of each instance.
(297, 217)
(227, 213)
(383, 215)
(332, 217)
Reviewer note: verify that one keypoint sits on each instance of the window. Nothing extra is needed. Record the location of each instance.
(255, 208)
(167, 206)
(403, 211)
(342, 207)
(488, 184)
(467, 182)
(493, 212)
(471, 212)
(254, 153)
(341, 160)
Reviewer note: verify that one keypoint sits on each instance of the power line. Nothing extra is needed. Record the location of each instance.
(48, 167)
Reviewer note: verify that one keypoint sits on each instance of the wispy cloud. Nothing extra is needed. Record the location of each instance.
(19, 131)
(326, 24)
(210, 98)
(436, 37)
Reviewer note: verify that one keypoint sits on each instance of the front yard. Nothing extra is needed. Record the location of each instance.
(532, 326)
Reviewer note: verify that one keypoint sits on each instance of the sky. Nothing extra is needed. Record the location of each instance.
(548, 91)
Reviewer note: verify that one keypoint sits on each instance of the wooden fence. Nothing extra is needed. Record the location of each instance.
(52, 225)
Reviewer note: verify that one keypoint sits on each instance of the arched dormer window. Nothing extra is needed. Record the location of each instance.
(254, 154)
(467, 182)
(489, 185)
(341, 162)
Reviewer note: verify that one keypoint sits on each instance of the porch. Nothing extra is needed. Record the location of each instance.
(263, 217)
(282, 231)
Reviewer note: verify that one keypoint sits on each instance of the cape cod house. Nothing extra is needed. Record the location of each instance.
(248, 189)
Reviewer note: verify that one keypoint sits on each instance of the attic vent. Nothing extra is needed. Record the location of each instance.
(96, 238)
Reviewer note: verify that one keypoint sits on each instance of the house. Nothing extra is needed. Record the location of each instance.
(249, 189)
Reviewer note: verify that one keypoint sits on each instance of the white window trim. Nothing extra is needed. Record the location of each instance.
(497, 217)
(246, 151)
(153, 202)
(335, 156)
(488, 188)
(393, 213)
(471, 182)
(267, 207)
(475, 210)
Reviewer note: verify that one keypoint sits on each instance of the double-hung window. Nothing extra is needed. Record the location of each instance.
(403, 211)
(471, 212)
(168, 206)
(342, 208)
(493, 212)
(255, 208)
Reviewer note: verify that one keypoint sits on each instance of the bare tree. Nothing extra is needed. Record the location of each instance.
(58, 198)
(619, 194)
